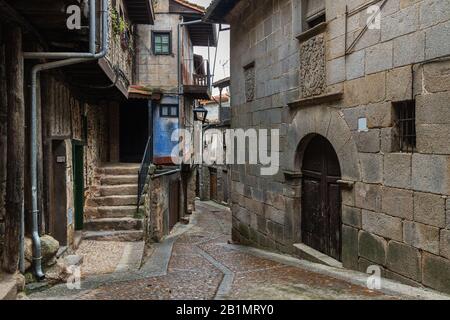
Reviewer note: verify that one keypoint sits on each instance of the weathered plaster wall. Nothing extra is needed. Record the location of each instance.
(121, 55)
(161, 71)
(397, 213)
(158, 71)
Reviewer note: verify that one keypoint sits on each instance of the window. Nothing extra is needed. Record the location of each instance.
(362, 125)
(405, 113)
(162, 43)
(314, 13)
(250, 81)
(169, 111)
(307, 14)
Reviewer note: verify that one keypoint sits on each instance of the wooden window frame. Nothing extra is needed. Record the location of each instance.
(169, 115)
(158, 33)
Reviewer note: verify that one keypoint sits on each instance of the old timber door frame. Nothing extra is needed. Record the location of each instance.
(78, 183)
(58, 191)
(321, 221)
(213, 191)
(174, 203)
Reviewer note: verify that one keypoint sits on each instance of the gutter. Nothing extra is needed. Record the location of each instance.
(71, 58)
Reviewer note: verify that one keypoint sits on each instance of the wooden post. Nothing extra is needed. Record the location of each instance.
(3, 128)
(46, 111)
(16, 143)
(114, 131)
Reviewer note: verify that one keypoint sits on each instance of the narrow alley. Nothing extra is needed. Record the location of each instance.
(196, 262)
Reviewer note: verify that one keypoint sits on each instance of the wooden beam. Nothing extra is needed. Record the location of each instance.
(3, 126)
(11, 16)
(16, 145)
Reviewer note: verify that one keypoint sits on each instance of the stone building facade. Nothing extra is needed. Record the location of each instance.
(74, 122)
(171, 79)
(214, 176)
(370, 103)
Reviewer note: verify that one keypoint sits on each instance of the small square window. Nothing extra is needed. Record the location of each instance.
(162, 43)
(169, 111)
(362, 125)
(405, 122)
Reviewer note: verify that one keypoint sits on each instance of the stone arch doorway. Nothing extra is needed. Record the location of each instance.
(321, 198)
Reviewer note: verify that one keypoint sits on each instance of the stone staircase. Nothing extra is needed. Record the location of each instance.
(111, 210)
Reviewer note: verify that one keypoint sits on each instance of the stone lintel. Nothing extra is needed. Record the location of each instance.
(321, 27)
(316, 100)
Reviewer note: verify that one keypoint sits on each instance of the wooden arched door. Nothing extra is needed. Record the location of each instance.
(321, 198)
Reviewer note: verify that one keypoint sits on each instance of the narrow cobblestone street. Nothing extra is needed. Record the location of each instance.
(196, 262)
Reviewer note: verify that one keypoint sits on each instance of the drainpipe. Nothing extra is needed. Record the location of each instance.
(22, 240)
(70, 59)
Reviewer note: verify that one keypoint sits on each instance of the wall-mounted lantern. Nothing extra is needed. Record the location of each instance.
(200, 114)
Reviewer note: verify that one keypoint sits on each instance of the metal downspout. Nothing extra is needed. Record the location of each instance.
(37, 256)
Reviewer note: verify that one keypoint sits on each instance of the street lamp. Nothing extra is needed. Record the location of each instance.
(200, 114)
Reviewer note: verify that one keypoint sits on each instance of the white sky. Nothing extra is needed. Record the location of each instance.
(223, 50)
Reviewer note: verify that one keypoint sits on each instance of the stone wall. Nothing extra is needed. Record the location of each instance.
(97, 149)
(121, 56)
(156, 207)
(396, 214)
(223, 177)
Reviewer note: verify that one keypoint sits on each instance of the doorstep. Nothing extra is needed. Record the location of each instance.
(307, 253)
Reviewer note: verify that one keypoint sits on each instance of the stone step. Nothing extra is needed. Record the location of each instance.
(118, 180)
(117, 190)
(119, 170)
(304, 252)
(113, 201)
(111, 224)
(122, 235)
(111, 212)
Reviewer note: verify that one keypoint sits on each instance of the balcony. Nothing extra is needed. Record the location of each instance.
(198, 84)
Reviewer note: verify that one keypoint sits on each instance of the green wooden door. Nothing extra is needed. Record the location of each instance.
(78, 185)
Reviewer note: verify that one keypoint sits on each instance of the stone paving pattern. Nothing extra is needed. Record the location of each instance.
(195, 272)
(100, 257)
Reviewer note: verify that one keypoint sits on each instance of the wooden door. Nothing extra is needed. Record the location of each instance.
(321, 198)
(174, 203)
(78, 185)
(213, 184)
(226, 187)
(58, 197)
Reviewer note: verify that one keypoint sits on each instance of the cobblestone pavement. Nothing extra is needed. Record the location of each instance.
(203, 265)
(100, 257)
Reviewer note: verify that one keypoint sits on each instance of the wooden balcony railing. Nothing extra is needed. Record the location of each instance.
(200, 80)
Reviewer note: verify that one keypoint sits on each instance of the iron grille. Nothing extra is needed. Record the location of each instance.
(406, 125)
